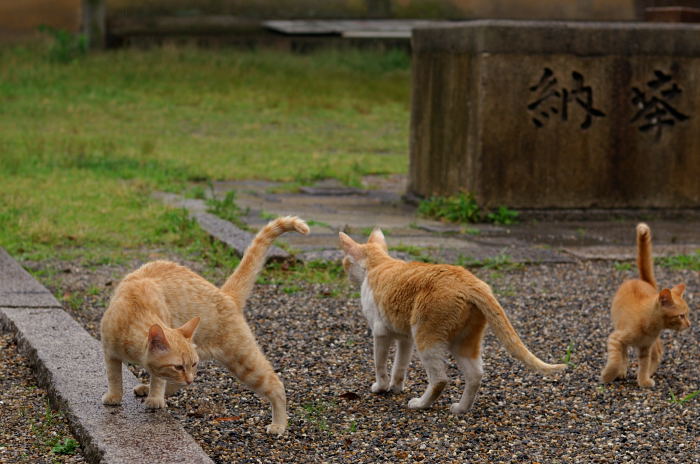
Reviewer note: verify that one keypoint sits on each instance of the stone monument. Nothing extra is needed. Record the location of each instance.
(557, 114)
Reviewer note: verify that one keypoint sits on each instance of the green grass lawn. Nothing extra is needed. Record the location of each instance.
(83, 144)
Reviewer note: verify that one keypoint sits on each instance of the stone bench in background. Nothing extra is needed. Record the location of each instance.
(557, 114)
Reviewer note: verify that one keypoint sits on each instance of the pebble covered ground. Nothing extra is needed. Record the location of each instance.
(30, 427)
(320, 344)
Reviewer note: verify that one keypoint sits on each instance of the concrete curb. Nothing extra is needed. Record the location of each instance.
(68, 362)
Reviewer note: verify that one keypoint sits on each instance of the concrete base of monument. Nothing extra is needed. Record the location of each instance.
(567, 115)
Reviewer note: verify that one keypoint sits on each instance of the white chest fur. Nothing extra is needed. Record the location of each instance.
(372, 313)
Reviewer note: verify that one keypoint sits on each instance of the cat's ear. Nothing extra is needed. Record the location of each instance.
(377, 236)
(348, 245)
(189, 327)
(679, 289)
(156, 338)
(665, 298)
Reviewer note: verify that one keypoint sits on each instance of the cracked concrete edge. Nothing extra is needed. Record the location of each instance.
(224, 231)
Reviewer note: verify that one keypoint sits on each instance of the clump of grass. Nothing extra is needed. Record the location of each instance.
(458, 208)
(679, 262)
(65, 46)
(42, 431)
(416, 252)
(499, 262)
(290, 273)
(619, 266)
(463, 208)
(227, 209)
(67, 446)
(315, 413)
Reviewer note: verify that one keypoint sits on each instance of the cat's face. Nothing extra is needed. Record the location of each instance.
(171, 353)
(355, 259)
(674, 309)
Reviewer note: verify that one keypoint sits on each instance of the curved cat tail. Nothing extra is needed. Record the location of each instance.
(502, 328)
(241, 282)
(645, 263)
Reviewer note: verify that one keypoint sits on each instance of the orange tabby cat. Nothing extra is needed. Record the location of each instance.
(639, 313)
(137, 327)
(438, 308)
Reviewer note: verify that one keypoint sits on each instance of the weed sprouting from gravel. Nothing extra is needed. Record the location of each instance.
(566, 359)
(682, 399)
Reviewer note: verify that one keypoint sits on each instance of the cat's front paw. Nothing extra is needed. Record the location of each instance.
(276, 429)
(397, 387)
(457, 408)
(111, 399)
(646, 383)
(417, 403)
(154, 403)
(141, 390)
(380, 387)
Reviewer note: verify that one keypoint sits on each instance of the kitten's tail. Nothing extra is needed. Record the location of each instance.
(241, 282)
(502, 328)
(645, 263)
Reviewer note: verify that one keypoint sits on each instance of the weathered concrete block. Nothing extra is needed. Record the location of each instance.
(557, 114)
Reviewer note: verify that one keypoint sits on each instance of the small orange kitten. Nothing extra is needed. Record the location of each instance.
(438, 308)
(639, 313)
(138, 327)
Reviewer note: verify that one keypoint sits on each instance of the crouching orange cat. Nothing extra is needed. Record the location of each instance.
(438, 308)
(639, 313)
(139, 327)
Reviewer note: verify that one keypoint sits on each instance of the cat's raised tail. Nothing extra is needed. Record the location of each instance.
(645, 262)
(495, 315)
(240, 283)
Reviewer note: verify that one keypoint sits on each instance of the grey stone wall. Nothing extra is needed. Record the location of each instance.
(557, 114)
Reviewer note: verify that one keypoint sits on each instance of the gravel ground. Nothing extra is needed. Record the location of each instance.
(321, 347)
(30, 427)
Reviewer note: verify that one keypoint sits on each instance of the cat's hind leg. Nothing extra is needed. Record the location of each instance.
(249, 364)
(468, 357)
(616, 366)
(114, 381)
(433, 359)
(404, 351)
(473, 371)
(382, 343)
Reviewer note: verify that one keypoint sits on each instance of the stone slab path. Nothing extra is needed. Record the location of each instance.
(330, 207)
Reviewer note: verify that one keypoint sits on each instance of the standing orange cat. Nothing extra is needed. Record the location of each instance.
(438, 308)
(639, 313)
(139, 327)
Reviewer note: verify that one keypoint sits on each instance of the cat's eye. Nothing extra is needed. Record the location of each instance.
(180, 368)
(194, 364)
